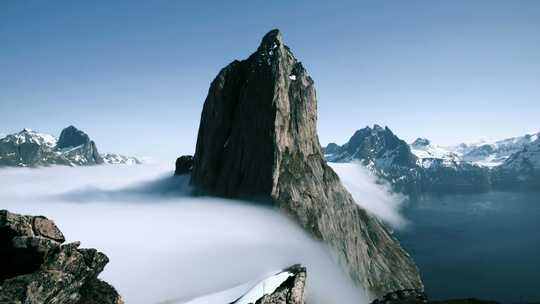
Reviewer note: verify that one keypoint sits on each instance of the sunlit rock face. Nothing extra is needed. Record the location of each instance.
(35, 267)
(258, 139)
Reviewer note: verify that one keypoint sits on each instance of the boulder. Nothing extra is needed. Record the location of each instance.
(184, 165)
(35, 267)
(258, 140)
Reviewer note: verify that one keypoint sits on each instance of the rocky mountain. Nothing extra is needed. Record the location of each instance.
(73, 148)
(257, 139)
(521, 170)
(36, 267)
(422, 167)
(382, 152)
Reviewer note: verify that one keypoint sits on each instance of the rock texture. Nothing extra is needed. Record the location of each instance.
(72, 137)
(289, 292)
(35, 267)
(184, 165)
(258, 139)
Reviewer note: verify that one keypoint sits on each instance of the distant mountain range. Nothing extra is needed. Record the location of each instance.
(422, 167)
(73, 148)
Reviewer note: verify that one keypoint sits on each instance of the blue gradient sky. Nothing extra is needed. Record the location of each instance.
(134, 75)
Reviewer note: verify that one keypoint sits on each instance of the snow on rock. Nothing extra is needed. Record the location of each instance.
(267, 286)
(492, 153)
(119, 159)
(262, 292)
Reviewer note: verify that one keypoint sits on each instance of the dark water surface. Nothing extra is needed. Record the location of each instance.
(482, 245)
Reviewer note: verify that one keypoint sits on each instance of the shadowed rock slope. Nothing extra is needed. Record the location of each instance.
(36, 268)
(258, 139)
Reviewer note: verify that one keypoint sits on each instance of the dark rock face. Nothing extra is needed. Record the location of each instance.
(257, 138)
(331, 148)
(184, 165)
(72, 137)
(36, 268)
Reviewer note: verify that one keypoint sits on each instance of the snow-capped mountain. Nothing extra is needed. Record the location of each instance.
(115, 159)
(422, 166)
(383, 153)
(73, 148)
(493, 153)
(521, 170)
(428, 154)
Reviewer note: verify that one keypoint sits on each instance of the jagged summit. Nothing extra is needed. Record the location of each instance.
(421, 142)
(271, 39)
(72, 137)
(257, 138)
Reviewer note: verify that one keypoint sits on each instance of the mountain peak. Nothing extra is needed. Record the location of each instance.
(272, 38)
(72, 137)
(257, 139)
(376, 127)
(421, 142)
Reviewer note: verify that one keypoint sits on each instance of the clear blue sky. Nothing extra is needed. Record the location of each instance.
(134, 75)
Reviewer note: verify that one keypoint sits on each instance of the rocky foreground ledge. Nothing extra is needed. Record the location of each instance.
(36, 267)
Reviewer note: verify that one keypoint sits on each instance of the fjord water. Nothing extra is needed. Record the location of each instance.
(477, 245)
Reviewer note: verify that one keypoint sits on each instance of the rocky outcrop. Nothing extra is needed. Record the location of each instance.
(284, 287)
(184, 165)
(36, 267)
(257, 139)
(291, 291)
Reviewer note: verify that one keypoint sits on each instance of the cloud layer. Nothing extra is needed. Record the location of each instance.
(373, 195)
(167, 246)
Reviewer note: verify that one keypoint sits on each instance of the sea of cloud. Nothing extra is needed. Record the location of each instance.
(167, 246)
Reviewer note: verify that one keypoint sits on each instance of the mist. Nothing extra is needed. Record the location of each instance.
(166, 246)
(372, 194)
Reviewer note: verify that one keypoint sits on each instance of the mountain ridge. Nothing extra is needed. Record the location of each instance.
(73, 147)
(512, 163)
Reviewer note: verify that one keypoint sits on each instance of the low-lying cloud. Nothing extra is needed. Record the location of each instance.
(167, 246)
(373, 195)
